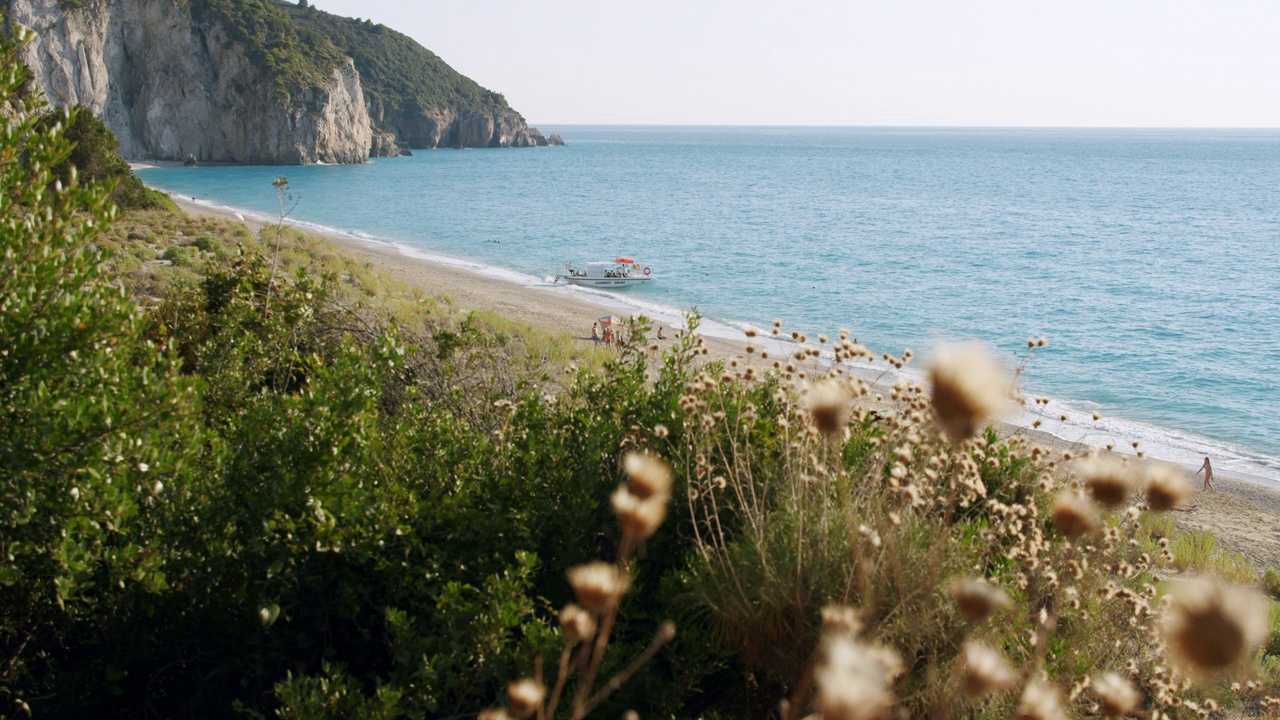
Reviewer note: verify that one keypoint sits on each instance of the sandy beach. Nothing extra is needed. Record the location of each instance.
(1243, 514)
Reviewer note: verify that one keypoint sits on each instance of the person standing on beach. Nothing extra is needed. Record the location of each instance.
(595, 331)
(1207, 469)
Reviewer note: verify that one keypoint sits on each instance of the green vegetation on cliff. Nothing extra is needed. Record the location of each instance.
(301, 45)
(395, 71)
(297, 59)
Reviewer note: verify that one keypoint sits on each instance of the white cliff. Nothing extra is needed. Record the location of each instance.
(169, 86)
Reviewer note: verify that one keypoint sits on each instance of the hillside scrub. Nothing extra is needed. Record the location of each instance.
(232, 489)
(94, 158)
(301, 45)
(297, 59)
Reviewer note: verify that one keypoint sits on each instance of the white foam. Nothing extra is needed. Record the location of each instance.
(1184, 448)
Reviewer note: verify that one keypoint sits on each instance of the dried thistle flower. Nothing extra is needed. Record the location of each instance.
(969, 386)
(639, 517)
(598, 585)
(647, 474)
(841, 619)
(1040, 701)
(1166, 486)
(979, 600)
(525, 696)
(1118, 696)
(828, 404)
(1107, 478)
(854, 680)
(1073, 515)
(1210, 626)
(578, 624)
(985, 670)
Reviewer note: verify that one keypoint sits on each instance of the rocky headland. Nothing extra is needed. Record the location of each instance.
(242, 81)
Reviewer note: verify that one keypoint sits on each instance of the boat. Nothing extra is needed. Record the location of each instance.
(618, 273)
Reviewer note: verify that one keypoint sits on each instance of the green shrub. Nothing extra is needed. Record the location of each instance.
(94, 157)
(90, 428)
(209, 244)
(124, 263)
(1271, 583)
(334, 694)
(1272, 646)
(182, 255)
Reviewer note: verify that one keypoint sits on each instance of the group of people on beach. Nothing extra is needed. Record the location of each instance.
(608, 337)
(611, 337)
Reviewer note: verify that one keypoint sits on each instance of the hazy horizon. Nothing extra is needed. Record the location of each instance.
(916, 63)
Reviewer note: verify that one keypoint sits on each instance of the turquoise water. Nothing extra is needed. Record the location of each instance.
(1147, 257)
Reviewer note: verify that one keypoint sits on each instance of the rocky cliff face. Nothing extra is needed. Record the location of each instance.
(451, 127)
(169, 87)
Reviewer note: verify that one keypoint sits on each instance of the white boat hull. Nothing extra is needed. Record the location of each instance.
(606, 282)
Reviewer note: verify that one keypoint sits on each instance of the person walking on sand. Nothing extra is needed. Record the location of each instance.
(1207, 469)
(595, 331)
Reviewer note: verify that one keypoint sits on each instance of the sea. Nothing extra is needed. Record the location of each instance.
(1149, 259)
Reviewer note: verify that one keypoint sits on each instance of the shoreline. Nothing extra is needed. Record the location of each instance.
(1243, 512)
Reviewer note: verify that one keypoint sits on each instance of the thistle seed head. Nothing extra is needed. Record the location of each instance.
(1073, 515)
(1118, 696)
(578, 624)
(841, 619)
(979, 600)
(1040, 701)
(828, 404)
(854, 680)
(1210, 626)
(985, 671)
(639, 517)
(647, 474)
(1167, 487)
(524, 697)
(969, 386)
(1107, 478)
(598, 585)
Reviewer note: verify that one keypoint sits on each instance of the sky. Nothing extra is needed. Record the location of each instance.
(1074, 63)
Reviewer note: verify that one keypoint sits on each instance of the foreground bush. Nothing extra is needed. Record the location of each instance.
(89, 432)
